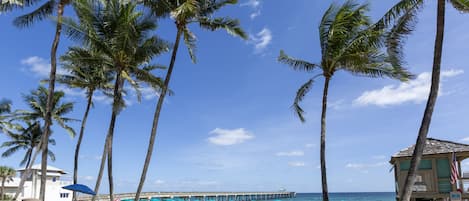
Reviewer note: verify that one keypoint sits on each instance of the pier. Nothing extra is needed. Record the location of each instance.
(197, 196)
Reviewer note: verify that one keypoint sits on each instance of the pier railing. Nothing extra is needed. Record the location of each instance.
(199, 196)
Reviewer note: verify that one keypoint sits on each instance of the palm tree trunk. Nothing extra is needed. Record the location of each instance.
(325, 192)
(3, 188)
(48, 116)
(156, 116)
(427, 116)
(115, 109)
(26, 172)
(101, 170)
(80, 138)
(29, 157)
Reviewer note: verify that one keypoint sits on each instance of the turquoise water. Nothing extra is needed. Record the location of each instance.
(317, 197)
(345, 197)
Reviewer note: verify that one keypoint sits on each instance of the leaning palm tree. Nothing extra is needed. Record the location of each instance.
(349, 42)
(6, 174)
(26, 138)
(401, 19)
(122, 35)
(184, 13)
(5, 109)
(37, 100)
(44, 11)
(86, 71)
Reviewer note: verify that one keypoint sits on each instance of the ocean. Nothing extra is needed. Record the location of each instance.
(317, 197)
(344, 197)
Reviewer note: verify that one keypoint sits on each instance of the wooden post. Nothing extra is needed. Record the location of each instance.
(461, 184)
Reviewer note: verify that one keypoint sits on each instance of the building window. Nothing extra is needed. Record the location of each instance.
(63, 195)
(54, 179)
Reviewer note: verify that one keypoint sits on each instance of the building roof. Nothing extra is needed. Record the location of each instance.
(435, 146)
(49, 169)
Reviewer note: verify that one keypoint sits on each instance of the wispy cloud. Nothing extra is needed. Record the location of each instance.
(261, 40)
(255, 6)
(225, 137)
(40, 67)
(159, 182)
(290, 153)
(297, 164)
(361, 166)
(309, 145)
(415, 91)
(87, 178)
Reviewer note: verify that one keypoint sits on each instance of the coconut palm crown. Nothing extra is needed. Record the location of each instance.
(37, 101)
(28, 139)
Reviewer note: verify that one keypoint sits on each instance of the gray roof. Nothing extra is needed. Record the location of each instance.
(435, 146)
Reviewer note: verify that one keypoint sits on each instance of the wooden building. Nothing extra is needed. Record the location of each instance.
(434, 173)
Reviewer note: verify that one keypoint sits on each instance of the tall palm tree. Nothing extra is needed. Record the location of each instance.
(122, 35)
(87, 72)
(184, 13)
(37, 100)
(349, 42)
(5, 109)
(6, 174)
(401, 19)
(44, 11)
(28, 138)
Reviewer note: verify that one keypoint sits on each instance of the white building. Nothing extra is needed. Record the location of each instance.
(54, 184)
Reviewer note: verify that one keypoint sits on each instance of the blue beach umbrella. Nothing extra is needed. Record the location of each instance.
(80, 188)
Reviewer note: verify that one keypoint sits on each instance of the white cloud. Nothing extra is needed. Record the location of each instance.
(71, 92)
(297, 164)
(361, 166)
(415, 91)
(252, 3)
(379, 157)
(336, 105)
(226, 137)
(102, 98)
(87, 178)
(39, 66)
(159, 182)
(261, 40)
(309, 145)
(466, 139)
(255, 14)
(255, 5)
(291, 153)
(147, 92)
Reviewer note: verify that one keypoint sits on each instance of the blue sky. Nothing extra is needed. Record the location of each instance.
(229, 126)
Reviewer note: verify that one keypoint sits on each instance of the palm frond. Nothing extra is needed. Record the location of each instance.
(295, 63)
(300, 94)
(396, 36)
(232, 26)
(396, 12)
(190, 40)
(44, 11)
(460, 5)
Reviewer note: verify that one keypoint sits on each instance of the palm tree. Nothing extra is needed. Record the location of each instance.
(6, 174)
(28, 138)
(122, 35)
(184, 13)
(44, 11)
(403, 17)
(87, 72)
(349, 43)
(37, 100)
(5, 109)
